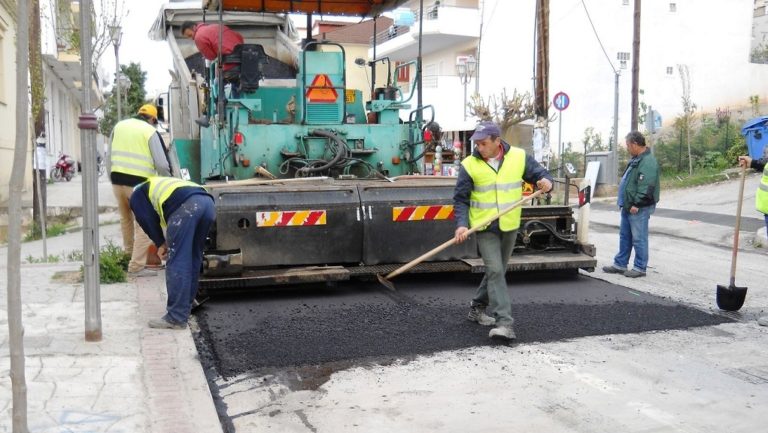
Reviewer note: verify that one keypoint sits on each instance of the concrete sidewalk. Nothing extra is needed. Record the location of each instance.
(136, 379)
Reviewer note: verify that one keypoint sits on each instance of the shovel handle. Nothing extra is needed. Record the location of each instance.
(737, 226)
(452, 241)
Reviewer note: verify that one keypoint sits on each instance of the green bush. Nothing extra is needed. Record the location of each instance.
(113, 264)
(55, 229)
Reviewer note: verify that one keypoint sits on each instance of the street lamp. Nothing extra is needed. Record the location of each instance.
(465, 69)
(116, 34)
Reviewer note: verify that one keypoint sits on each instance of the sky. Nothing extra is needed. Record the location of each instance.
(135, 46)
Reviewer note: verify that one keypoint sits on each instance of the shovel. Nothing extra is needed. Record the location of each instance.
(385, 279)
(731, 297)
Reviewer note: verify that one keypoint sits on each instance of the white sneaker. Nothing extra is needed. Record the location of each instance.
(763, 321)
(503, 332)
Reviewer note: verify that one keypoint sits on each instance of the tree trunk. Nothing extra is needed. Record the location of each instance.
(688, 140)
(15, 327)
(37, 85)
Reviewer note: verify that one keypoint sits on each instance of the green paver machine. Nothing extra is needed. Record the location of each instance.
(312, 183)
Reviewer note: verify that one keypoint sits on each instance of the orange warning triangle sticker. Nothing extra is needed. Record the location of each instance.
(321, 90)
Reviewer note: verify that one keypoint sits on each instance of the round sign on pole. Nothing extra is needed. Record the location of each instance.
(561, 101)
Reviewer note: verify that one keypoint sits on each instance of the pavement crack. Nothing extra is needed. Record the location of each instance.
(303, 417)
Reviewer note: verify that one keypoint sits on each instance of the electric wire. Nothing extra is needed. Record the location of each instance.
(598, 37)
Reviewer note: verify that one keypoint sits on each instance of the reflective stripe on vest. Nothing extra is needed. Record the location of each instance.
(130, 152)
(761, 197)
(160, 188)
(494, 191)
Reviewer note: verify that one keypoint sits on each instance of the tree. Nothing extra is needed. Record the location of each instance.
(15, 326)
(505, 111)
(136, 97)
(111, 12)
(689, 109)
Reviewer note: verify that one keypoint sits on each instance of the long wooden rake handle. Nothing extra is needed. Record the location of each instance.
(451, 241)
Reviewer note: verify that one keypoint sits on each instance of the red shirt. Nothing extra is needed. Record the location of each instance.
(207, 41)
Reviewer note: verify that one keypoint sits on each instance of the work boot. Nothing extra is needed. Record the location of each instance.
(613, 270)
(634, 273)
(203, 121)
(142, 273)
(477, 314)
(504, 332)
(763, 321)
(161, 323)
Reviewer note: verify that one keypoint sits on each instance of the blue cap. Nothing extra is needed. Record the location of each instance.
(484, 130)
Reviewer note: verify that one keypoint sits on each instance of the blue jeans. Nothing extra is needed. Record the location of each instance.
(187, 229)
(495, 249)
(766, 224)
(633, 233)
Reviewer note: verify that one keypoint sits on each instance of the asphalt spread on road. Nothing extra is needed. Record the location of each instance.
(326, 328)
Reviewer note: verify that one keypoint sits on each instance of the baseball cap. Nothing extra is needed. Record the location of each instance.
(484, 130)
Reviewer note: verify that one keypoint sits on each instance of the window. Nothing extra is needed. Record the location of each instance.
(673, 7)
(403, 74)
(670, 70)
(625, 2)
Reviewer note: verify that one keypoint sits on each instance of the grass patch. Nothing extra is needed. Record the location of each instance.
(701, 177)
(52, 258)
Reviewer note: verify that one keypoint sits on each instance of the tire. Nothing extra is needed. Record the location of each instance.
(68, 175)
(56, 174)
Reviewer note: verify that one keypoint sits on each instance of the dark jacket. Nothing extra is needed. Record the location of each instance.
(464, 186)
(642, 188)
(758, 164)
(146, 215)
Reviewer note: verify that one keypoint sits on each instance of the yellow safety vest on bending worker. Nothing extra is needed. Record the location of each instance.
(130, 148)
(761, 198)
(160, 188)
(493, 191)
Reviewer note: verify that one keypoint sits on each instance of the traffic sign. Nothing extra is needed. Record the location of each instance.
(321, 90)
(561, 101)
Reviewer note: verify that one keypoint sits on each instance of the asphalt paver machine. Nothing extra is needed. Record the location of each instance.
(311, 183)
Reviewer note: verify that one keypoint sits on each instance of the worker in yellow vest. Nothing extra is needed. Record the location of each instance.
(136, 153)
(185, 211)
(761, 196)
(489, 180)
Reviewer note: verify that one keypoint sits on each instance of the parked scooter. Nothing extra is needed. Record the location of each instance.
(65, 168)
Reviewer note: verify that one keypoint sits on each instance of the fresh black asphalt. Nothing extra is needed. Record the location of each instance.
(360, 321)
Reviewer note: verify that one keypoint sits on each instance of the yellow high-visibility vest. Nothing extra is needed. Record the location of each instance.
(130, 152)
(494, 191)
(160, 188)
(761, 198)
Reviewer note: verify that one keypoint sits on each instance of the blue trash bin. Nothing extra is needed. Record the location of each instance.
(755, 131)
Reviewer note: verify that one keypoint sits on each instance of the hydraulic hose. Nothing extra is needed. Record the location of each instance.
(341, 151)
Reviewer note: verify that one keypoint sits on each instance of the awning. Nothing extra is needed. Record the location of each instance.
(368, 8)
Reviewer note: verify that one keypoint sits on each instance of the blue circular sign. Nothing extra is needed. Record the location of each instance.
(561, 101)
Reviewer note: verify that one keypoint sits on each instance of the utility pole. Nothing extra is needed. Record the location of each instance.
(16, 183)
(635, 65)
(88, 125)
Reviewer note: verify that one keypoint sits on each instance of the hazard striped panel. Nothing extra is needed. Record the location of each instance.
(291, 218)
(422, 213)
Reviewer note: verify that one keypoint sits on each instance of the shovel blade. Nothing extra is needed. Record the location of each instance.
(730, 298)
(386, 283)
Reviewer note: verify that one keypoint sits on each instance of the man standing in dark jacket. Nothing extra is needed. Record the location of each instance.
(638, 194)
(185, 211)
(490, 180)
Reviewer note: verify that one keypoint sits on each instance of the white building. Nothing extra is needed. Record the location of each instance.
(711, 37)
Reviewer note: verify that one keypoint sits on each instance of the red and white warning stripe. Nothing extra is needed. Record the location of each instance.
(422, 213)
(291, 218)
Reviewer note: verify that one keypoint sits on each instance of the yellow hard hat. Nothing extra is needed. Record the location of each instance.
(149, 110)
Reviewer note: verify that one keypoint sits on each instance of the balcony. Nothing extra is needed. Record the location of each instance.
(443, 27)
